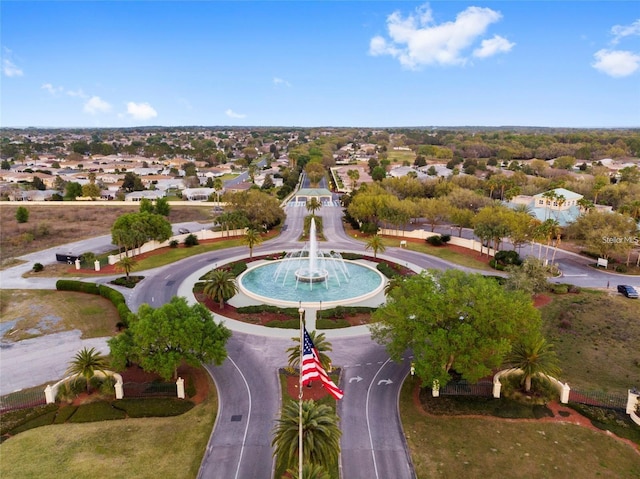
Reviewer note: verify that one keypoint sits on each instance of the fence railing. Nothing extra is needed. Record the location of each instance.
(150, 389)
(463, 388)
(599, 399)
(22, 400)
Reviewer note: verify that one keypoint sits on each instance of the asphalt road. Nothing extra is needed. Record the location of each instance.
(373, 444)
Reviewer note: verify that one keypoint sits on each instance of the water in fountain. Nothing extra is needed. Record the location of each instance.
(312, 265)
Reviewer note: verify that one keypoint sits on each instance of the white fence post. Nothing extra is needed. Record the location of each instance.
(435, 388)
(77, 264)
(96, 265)
(180, 385)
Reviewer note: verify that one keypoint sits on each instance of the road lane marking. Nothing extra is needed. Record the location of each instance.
(373, 454)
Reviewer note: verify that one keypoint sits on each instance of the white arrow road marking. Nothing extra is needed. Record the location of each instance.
(385, 382)
(356, 379)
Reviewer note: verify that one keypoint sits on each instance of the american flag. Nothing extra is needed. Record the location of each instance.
(312, 368)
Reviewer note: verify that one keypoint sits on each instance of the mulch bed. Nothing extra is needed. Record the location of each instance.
(314, 391)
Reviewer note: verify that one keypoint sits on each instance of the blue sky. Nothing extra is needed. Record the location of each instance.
(312, 63)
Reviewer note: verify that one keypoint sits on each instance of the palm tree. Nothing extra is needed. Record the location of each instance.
(585, 204)
(252, 238)
(309, 471)
(126, 264)
(320, 435)
(217, 186)
(313, 205)
(320, 342)
(376, 245)
(221, 286)
(534, 356)
(86, 362)
(393, 283)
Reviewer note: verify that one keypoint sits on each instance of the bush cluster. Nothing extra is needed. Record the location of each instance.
(390, 271)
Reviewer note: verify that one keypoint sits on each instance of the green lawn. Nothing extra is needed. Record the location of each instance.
(596, 335)
(451, 447)
(170, 447)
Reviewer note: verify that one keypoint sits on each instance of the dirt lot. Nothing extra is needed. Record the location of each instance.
(66, 222)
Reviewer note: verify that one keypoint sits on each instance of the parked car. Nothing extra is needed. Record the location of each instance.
(628, 291)
(183, 231)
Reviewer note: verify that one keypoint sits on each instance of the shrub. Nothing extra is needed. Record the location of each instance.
(173, 243)
(559, 289)
(22, 214)
(37, 267)
(351, 256)
(435, 240)
(369, 228)
(621, 268)
(508, 257)
(191, 240)
(445, 238)
(387, 270)
(332, 323)
(238, 268)
(288, 324)
(43, 420)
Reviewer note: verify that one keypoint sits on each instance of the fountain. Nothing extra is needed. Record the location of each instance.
(312, 265)
(311, 275)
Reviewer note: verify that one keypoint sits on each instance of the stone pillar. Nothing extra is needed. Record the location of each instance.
(49, 394)
(96, 265)
(633, 396)
(119, 389)
(77, 264)
(564, 394)
(180, 385)
(497, 388)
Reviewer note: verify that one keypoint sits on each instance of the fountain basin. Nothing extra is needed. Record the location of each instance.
(258, 283)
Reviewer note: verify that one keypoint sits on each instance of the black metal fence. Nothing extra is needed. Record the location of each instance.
(22, 400)
(152, 389)
(599, 399)
(463, 388)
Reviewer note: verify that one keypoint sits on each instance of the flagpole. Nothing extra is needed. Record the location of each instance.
(301, 312)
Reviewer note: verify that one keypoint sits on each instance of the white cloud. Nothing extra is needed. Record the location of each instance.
(491, 47)
(418, 41)
(621, 31)
(9, 68)
(616, 63)
(77, 93)
(52, 89)
(141, 111)
(96, 105)
(279, 81)
(232, 114)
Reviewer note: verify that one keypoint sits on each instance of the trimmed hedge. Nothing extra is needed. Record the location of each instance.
(116, 297)
(97, 411)
(266, 308)
(387, 270)
(332, 324)
(340, 312)
(14, 419)
(288, 324)
(153, 407)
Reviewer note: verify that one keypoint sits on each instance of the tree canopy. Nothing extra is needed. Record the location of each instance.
(132, 230)
(159, 339)
(453, 320)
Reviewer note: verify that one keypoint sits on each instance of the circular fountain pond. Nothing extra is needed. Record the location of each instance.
(281, 283)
